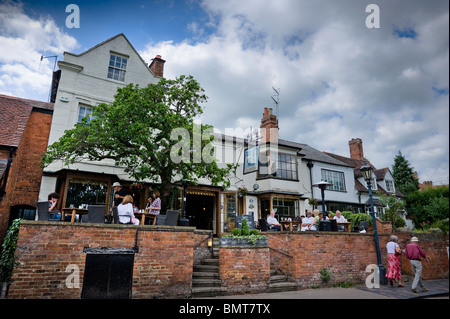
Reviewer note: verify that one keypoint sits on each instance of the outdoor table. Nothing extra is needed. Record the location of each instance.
(347, 225)
(143, 216)
(290, 223)
(75, 211)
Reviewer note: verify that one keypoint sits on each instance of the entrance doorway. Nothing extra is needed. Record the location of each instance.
(200, 211)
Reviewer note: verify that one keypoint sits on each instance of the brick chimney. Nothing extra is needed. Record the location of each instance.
(269, 127)
(157, 66)
(356, 149)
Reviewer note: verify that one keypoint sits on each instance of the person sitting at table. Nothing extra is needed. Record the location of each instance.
(149, 203)
(126, 209)
(54, 214)
(316, 214)
(155, 206)
(339, 217)
(307, 221)
(273, 222)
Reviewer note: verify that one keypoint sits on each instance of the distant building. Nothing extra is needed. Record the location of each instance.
(23, 141)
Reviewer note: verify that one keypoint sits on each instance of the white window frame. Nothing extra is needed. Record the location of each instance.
(117, 67)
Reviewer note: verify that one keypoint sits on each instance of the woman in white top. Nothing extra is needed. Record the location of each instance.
(394, 267)
(126, 209)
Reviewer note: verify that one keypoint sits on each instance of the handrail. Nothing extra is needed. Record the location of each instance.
(281, 252)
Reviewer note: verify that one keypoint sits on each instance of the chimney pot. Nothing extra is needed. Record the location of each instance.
(157, 66)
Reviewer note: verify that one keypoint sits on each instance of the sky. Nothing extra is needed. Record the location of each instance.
(342, 69)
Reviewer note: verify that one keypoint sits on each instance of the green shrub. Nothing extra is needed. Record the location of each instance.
(245, 230)
(7, 259)
(236, 232)
(254, 232)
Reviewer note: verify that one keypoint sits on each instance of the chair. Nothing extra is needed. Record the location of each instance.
(116, 216)
(172, 217)
(43, 213)
(362, 226)
(96, 214)
(169, 219)
(264, 226)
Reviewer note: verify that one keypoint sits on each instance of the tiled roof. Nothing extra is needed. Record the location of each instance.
(14, 115)
(313, 154)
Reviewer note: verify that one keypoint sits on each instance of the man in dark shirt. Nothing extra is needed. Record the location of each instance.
(414, 252)
(119, 194)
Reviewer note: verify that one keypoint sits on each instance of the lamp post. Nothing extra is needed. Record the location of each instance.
(367, 173)
(322, 185)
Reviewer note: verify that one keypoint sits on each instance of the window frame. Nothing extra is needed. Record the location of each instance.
(335, 187)
(120, 70)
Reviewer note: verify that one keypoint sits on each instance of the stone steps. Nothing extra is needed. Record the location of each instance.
(205, 278)
(279, 283)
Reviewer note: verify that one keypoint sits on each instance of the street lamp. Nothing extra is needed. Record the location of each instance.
(367, 173)
(322, 185)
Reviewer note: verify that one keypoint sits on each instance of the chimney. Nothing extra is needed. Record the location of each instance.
(356, 149)
(157, 66)
(269, 127)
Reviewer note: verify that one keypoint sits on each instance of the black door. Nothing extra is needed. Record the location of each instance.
(199, 210)
(108, 276)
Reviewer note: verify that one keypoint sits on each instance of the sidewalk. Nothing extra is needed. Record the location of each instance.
(436, 288)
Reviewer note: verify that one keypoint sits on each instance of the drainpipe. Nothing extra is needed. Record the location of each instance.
(8, 166)
(310, 164)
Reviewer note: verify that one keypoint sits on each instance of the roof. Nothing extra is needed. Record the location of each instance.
(312, 154)
(108, 40)
(14, 115)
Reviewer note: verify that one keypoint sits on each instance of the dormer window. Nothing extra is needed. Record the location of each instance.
(117, 67)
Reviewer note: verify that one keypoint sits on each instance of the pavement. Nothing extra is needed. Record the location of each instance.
(437, 289)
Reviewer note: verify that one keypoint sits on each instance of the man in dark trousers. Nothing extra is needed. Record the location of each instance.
(414, 252)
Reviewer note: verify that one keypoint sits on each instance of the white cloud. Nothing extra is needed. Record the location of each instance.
(23, 41)
(338, 79)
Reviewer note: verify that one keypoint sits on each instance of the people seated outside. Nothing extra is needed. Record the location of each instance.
(308, 221)
(126, 209)
(54, 214)
(339, 217)
(273, 222)
(155, 206)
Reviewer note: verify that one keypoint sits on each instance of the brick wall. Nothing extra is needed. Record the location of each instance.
(244, 270)
(25, 175)
(162, 268)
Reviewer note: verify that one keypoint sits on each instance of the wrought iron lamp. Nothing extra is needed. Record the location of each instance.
(322, 185)
(367, 173)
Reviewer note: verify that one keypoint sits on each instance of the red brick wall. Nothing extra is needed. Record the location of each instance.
(24, 180)
(302, 256)
(244, 270)
(162, 268)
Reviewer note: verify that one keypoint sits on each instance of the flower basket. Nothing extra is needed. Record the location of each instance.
(242, 191)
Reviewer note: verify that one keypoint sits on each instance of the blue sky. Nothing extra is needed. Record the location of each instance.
(338, 79)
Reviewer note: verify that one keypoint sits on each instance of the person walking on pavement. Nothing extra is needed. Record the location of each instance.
(414, 252)
(393, 255)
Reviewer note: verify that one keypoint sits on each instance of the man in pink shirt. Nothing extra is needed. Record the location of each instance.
(414, 252)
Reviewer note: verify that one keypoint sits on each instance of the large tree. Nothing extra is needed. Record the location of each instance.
(404, 175)
(150, 132)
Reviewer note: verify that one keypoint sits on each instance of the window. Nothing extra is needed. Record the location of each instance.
(117, 67)
(390, 186)
(334, 177)
(287, 166)
(84, 111)
(285, 207)
(83, 191)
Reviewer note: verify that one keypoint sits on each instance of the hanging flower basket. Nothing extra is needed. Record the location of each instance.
(313, 202)
(242, 191)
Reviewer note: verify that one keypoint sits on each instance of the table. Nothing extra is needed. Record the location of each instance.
(290, 224)
(142, 217)
(74, 212)
(347, 225)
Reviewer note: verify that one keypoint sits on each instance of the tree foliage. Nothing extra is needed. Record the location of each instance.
(428, 205)
(404, 175)
(393, 211)
(136, 131)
